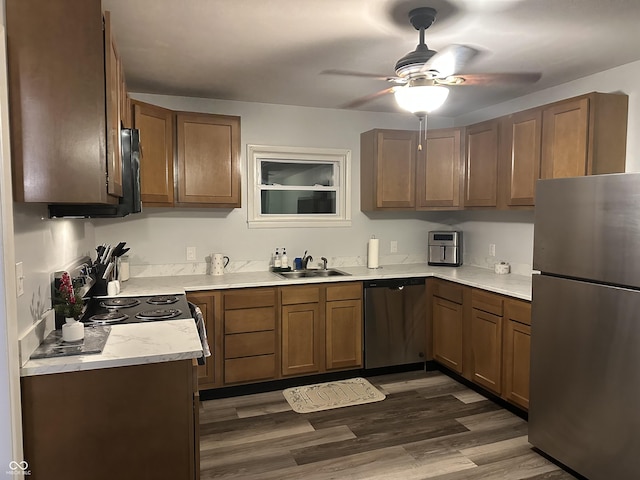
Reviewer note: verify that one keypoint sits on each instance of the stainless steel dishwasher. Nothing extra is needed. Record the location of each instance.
(394, 322)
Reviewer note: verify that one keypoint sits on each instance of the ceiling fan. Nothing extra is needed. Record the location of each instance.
(423, 75)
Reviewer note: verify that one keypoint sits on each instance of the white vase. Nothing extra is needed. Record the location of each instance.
(72, 330)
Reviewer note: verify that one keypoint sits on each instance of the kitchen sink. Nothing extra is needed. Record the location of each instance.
(330, 272)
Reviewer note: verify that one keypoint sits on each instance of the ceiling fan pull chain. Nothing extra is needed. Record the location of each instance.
(422, 118)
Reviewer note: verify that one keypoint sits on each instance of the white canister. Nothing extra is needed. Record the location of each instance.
(218, 262)
(73, 330)
(123, 268)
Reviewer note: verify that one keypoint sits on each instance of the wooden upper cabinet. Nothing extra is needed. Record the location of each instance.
(521, 145)
(481, 173)
(387, 170)
(57, 97)
(208, 160)
(156, 161)
(114, 108)
(438, 178)
(584, 136)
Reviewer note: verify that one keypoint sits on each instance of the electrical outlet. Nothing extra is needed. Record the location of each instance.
(19, 279)
(191, 253)
(394, 246)
(492, 249)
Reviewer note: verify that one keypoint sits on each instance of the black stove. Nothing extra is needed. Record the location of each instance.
(120, 310)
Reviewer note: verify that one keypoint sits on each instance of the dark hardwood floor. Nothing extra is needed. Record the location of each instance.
(429, 426)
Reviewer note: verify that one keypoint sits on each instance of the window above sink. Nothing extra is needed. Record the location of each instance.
(298, 187)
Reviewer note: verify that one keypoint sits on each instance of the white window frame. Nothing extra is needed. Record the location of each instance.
(342, 161)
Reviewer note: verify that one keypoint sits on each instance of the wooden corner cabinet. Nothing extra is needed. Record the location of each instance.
(447, 319)
(156, 125)
(142, 417)
(482, 336)
(188, 159)
(439, 177)
(388, 170)
(64, 96)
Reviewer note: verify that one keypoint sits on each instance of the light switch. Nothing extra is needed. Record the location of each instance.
(394, 246)
(191, 253)
(19, 279)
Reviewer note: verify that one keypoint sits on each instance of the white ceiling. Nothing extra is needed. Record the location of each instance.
(273, 51)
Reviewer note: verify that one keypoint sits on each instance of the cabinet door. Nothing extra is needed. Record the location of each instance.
(521, 156)
(447, 318)
(156, 161)
(56, 76)
(208, 162)
(387, 170)
(209, 373)
(114, 146)
(438, 172)
(517, 352)
(343, 321)
(481, 175)
(486, 345)
(302, 339)
(565, 130)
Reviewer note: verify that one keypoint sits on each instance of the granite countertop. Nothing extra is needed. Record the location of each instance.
(518, 286)
(129, 344)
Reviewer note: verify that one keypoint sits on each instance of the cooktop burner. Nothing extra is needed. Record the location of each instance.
(120, 302)
(159, 314)
(109, 317)
(163, 300)
(120, 310)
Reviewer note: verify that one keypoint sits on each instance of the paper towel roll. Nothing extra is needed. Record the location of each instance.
(372, 253)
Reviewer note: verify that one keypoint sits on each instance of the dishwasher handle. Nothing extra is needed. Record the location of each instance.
(394, 283)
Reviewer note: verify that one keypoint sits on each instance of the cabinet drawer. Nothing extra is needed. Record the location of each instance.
(249, 320)
(247, 369)
(487, 302)
(518, 311)
(293, 295)
(250, 298)
(344, 291)
(448, 291)
(248, 344)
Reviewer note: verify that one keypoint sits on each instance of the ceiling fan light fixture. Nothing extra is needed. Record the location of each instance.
(421, 98)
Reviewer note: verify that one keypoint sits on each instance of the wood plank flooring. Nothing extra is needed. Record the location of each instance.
(429, 426)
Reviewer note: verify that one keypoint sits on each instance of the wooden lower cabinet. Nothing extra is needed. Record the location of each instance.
(486, 340)
(210, 374)
(517, 351)
(321, 328)
(447, 317)
(250, 334)
(482, 336)
(142, 417)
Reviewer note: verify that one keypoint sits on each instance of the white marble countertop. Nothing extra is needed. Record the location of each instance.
(129, 344)
(518, 286)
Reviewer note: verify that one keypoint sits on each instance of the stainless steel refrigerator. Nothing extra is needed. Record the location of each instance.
(585, 330)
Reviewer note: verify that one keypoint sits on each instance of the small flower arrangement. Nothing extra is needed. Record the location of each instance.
(68, 302)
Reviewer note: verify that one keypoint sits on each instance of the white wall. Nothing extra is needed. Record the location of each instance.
(160, 236)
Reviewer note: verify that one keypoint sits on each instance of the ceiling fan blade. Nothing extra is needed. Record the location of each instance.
(350, 73)
(489, 78)
(449, 60)
(367, 98)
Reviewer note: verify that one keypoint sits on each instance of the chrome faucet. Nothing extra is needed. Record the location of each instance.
(305, 260)
(324, 262)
